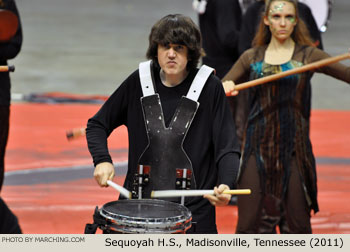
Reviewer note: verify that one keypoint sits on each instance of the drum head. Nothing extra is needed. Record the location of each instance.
(146, 216)
(8, 25)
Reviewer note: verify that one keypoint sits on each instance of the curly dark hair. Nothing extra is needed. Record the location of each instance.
(176, 29)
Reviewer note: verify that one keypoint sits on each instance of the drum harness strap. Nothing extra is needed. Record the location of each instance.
(164, 156)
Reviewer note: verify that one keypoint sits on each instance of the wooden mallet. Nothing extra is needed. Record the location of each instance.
(75, 133)
(308, 67)
(7, 68)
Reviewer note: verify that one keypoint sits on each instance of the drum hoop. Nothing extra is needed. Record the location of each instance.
(140, 228)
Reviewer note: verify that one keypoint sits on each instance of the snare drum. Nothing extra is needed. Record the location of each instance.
(321, 10)
(145, 216)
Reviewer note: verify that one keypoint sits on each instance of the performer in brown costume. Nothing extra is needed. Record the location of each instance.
(273, 121)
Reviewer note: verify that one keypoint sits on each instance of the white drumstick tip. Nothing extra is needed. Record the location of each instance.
(120, 189)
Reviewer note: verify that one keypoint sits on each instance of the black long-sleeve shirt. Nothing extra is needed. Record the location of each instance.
(219, 26)
(210, 143)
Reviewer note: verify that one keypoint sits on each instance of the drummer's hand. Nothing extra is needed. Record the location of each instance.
(103, 172)
(229, 87)
(219, 198)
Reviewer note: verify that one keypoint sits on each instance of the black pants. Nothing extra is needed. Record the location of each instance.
(8, 221)
(263, 213)
(4, 132)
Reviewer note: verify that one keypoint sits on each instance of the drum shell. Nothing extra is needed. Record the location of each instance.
(145, 216)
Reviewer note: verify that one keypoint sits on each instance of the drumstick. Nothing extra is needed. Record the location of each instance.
(191, 193)
(308, 67)
(74, 133)
(7, 68)
(120, 189)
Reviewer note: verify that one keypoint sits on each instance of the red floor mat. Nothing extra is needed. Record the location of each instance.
(66, 207)
(37, 140)
(38, 136)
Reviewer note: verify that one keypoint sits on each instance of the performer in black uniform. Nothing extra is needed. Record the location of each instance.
(252, 17)
(219, 25)
(167, 130)
(8, 50)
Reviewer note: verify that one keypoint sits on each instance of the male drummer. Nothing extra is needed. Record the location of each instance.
(175, 123)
